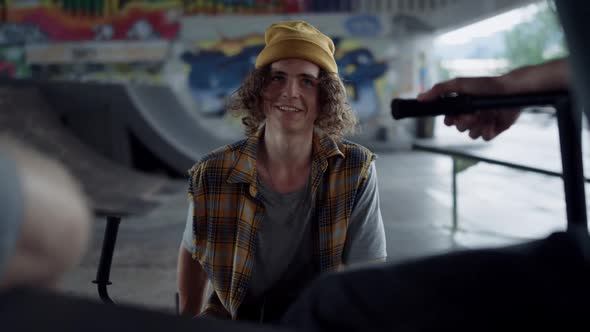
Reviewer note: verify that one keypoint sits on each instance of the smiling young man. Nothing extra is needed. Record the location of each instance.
(294, 199)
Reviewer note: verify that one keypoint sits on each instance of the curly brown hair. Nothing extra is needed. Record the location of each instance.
(335, 116)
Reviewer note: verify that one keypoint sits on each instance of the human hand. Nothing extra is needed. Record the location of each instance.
(488, 124)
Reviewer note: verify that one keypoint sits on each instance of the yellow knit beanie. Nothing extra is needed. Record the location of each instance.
(297, 39)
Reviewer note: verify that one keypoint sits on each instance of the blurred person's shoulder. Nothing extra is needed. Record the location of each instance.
(12, 207)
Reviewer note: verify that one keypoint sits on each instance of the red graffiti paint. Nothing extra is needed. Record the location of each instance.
(133, 22)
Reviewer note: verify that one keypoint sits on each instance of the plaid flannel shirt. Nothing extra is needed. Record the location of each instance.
(228, 210)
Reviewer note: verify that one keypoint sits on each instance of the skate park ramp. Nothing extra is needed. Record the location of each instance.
(114, 117)
(106, 133)
(112, 189)
(175, 134)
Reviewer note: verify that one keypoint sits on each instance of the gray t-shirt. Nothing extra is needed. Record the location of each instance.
(11, 205)
(284, 248)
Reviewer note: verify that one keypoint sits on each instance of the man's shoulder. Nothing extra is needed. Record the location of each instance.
(355, 152)
(221, 157)
(224, 153)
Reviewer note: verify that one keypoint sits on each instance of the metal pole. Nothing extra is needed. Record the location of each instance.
(106, 258)
(570, 140)
(454, 184)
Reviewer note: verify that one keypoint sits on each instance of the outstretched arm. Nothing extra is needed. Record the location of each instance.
(548, 76)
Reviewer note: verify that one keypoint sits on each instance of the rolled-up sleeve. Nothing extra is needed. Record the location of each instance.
(194, 195)
(188, 236)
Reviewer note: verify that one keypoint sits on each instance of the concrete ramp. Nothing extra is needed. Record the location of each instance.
(173, 133)
(111, 187)
(125, 122)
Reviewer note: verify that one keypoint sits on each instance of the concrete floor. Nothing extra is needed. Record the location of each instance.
(497, 206)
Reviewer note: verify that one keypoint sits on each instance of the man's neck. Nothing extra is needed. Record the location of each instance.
(287, 151)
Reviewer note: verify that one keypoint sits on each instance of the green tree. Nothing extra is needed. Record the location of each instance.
(537, 40)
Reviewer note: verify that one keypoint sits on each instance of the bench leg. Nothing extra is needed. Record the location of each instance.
(106, 258)
(455, 225)
(569, 121)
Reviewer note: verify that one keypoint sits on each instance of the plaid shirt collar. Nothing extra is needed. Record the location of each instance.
(244, 168)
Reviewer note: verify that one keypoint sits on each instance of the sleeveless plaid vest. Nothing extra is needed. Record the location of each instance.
(228, 211)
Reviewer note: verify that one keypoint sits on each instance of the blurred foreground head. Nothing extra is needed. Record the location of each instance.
(49, 230)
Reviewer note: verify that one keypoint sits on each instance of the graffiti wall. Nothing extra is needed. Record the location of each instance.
(54, 21)
(160, 41)
(258, 7)
(217, 66)
(56, 38)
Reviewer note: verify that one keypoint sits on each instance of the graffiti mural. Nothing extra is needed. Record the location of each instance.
(363, 25)
(217, 69)
(90, 20)
(244, 7)
(257, 7)
(360, 70)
